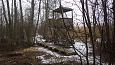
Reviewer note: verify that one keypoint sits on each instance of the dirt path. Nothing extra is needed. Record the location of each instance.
(29, 56)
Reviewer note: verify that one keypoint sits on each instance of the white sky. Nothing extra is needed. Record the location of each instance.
(65, 3)
(71, 4)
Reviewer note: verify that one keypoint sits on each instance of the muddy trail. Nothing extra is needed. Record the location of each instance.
(34, 56)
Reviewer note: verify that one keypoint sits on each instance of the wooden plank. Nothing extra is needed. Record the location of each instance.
(58, 49)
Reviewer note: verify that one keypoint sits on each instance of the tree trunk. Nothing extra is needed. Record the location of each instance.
(9, 18)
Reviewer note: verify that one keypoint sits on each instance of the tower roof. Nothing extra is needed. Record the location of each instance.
(62, 9)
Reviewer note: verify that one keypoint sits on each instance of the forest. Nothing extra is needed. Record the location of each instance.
(57, 32)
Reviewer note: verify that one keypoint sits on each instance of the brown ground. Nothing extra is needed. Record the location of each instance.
(26, 56)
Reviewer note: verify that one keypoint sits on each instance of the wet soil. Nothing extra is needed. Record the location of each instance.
(27, 56)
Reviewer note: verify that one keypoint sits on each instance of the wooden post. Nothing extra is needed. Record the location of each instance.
(72, 15)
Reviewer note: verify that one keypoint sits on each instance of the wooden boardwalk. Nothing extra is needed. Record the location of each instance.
(58, 49)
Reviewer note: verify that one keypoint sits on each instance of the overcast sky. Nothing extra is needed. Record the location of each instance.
(65, 3)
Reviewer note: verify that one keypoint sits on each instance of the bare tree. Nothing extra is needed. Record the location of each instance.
(22, 22)
(31, 20)
(4, 12)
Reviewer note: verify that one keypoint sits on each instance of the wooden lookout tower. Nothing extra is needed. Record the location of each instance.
(63, 26)
(60, 16)
(59, 29)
